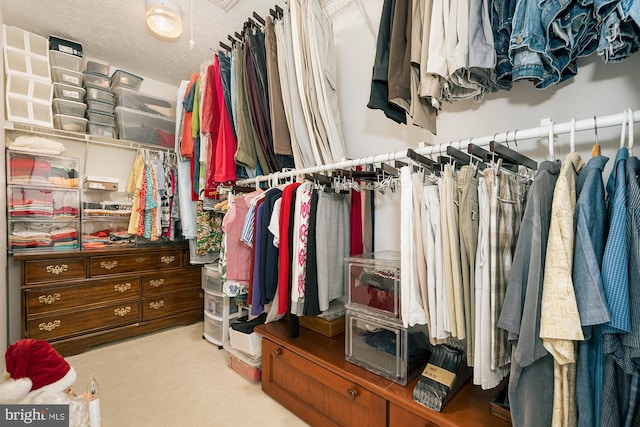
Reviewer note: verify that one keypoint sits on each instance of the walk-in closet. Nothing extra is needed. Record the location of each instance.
(320, 212)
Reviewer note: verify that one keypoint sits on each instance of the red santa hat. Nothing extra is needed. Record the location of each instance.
(33, 365)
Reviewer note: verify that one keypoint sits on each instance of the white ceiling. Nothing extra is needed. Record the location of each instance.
(114, 31)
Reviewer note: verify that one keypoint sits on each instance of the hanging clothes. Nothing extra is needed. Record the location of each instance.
(531, 376)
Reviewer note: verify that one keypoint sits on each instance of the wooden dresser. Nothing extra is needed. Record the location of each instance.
(310, 376)
(78, 299)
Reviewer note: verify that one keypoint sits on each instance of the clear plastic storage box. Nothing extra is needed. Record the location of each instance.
(38, 202)
(386, 348)
(97, 80)
(214, 304)
(145, 103)
(70, 92)
(106, 204)
(98, 68)
(94, 92)
(248, 344)
(121, 78)
(373, 283)
(145, 127)
(42, 170)
(99, 129)
(65, 60)
(42, 235)
(100, 105)
(70, 123)
(98, 117)
(213, 329)
(249, 368)
(68, 77)
(211, 280)
(68, 108)
(106, 233)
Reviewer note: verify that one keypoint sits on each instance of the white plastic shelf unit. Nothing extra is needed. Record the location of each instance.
(219, 309)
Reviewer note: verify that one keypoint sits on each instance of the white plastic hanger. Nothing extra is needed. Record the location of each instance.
(572, 135)
(551, 151)
(623, 132)
(630, 112)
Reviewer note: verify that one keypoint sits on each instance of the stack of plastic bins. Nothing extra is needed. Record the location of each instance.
(375, 337)
(100, 103)
(66, 73)
(219, 309)
(28, 78)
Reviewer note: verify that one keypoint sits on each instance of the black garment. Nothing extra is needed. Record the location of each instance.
(311, 299)
(268, 266)
(379, 97)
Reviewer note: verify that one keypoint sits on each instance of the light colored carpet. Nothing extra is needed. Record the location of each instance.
(174, 378)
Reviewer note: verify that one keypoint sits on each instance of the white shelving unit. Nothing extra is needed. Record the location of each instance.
(218, 308)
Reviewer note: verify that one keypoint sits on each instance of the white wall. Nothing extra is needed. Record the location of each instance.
(598, 89)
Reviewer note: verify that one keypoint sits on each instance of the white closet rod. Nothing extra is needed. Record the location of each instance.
(508, 136)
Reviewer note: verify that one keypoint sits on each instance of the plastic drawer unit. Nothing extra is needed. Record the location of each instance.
(373, 283)
(386, 348)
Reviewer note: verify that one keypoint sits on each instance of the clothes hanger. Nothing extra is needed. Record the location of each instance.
(623, 132)
(427, 163)
(465, 159)
(511, 156)
(630, 113)
(572, 136)
(595, 150)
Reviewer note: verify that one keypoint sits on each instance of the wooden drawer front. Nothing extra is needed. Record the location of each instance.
(168, 304)
(168, 282)
(148, 261)
(56, 270)
(54, 298)
(317, 395)
(82, 321)
(400, 417)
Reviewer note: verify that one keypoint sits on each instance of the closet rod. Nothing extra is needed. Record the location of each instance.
(508, 136)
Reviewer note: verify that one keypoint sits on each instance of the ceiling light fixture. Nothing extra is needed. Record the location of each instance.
(164, 18)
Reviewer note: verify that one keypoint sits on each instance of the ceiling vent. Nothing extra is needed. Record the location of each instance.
(225, 4)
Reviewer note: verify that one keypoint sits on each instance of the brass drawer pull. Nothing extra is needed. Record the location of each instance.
(140, 259)
(201, 295)
(57, 269)
(49, 326)
(108, 265)
(49, 299)
(276, 352)
(156, 305)
(352, 393)
(122, 287)
(122, 311)
(167, 259)
(156, 283)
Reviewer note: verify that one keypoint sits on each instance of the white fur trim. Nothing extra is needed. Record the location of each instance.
(14, 390)
(63, 383)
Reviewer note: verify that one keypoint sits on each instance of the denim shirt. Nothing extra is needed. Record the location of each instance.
(591, 218)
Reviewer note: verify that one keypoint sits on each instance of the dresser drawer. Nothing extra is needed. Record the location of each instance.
(149, 261)
(315, 394)
(56, 270)
(167, 304)
(82, 321)
(161, 282)
(55, 298)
